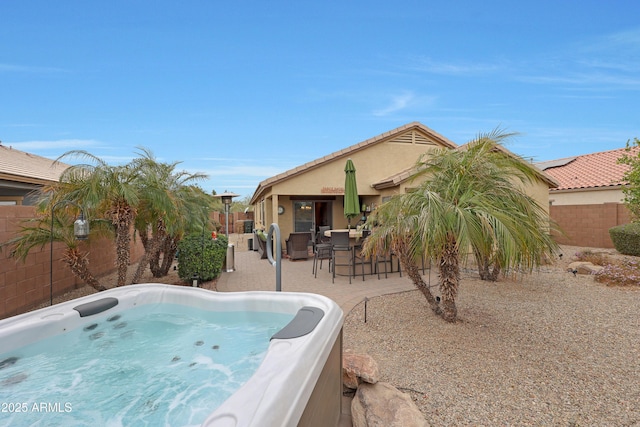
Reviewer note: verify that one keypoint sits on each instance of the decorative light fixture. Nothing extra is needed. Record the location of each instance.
(80, 231)
(226, 199)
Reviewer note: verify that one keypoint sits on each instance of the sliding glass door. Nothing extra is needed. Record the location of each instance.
(302, 216)
(310, 214)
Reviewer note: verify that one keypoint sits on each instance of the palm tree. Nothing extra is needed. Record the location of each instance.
(38, 233)
(472, 199)
(110, 190)
(165, 209)
(392, 230)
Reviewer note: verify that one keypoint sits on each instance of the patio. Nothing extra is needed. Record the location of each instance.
(255, 274)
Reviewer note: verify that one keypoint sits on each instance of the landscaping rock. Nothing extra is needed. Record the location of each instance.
(383, 405)
(584, 267)
(358, 368)
(578, 267)
(589, 269)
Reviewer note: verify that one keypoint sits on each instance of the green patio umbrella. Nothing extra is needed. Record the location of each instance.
(351, 200)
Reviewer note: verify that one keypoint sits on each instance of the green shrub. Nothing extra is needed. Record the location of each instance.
(626, 238)
(201, 255)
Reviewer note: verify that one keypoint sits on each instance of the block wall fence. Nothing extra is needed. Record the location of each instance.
(24, 286)
(236, 221)
(588, 225)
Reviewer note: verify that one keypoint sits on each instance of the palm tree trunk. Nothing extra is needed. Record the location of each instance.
(144, 261)
(152, 251)
(412, 270)
(123, 254)
(449, 280)
(122, 215)
(79, 265)
(488, 269)
(169, 250)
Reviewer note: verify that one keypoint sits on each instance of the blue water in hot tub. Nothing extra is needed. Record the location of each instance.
(154, 365)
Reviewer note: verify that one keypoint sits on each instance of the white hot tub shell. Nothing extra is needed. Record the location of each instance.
(299, 381)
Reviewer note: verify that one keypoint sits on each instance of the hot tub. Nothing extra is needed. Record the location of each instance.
(298, 380)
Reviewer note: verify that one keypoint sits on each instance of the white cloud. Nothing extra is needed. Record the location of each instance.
(29, 69)
(244, 170)
(628, 40)
(70, 144)
(449, 68)
(398, 103)
(610, 61)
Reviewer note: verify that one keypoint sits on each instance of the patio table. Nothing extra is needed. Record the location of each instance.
(353, 233)
(354, 236)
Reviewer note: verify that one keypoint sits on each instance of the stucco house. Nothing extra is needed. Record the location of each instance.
(312, 195)
(23, 173)
(588, 200)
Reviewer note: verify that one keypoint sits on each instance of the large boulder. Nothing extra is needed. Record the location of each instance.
(358, 368)
(382, 405)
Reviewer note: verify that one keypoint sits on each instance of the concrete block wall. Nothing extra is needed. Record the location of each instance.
(588, 225)
(25, 285)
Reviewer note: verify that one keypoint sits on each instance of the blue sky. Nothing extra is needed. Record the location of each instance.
(243, 90)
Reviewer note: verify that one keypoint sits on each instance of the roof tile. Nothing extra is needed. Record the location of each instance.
(30, 166)
(594, 170)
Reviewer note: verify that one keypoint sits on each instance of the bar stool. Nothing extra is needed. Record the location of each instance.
(340, 246)
(321, 251)
(358, 256)
(384, 259)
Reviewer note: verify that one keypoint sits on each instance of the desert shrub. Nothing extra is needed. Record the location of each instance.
(592, 257)
(624, 273)
(201, 255)
(626, 238)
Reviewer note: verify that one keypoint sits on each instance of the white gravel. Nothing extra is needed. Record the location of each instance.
(549, 349)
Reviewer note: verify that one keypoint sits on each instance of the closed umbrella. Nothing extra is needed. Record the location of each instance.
(351, 200)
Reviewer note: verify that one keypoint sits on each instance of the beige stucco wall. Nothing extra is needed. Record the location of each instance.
(586, 197)
(373, 163)
(539, 190)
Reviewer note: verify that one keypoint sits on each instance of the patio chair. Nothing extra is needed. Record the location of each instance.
(297, 245)
(321, 237)
(261, 240)
(321, 251)
(358, 256)
(387, 259)
(340, 246)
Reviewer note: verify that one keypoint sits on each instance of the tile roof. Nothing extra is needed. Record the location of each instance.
(596, 170)
(16, 165)
(345, 152)
(395, 179)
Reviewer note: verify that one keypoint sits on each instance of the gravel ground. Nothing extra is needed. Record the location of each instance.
(549, 349)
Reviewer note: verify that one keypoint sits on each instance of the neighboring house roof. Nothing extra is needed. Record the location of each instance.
(19, 167)
(347, 152)
(596, 170)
